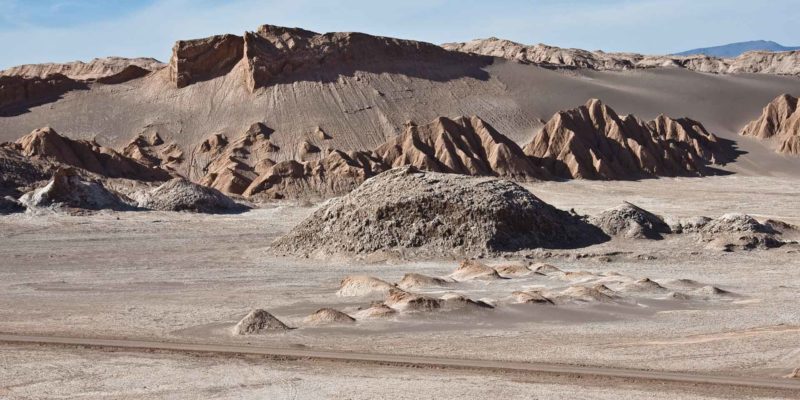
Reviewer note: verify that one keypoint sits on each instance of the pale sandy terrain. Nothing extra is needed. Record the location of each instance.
(184, 277)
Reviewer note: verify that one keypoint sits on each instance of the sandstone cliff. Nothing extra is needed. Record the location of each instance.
(780, 122)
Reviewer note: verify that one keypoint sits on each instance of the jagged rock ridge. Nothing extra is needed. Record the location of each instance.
(593, 142)
(765, 62)
(46, 143)
(779, 121)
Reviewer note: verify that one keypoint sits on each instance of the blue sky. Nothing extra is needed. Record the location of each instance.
(34, 31)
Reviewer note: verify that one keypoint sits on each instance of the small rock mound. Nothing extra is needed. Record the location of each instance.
(404, 301)
(419, 281)
(375, 311)
(709, 290)
(596, 293)
(794, 374)
(453, 301)
(512, 270)
(530, 297)
(325, 316)
(363, 286)
(439, 214)
(470, 270)
(644, 285)
(740, 232)
(631, 222)
(68, 189)
(545, 269)
(258, 321)
(179, 194)
(735, 223)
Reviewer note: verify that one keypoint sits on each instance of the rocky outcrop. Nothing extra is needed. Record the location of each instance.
(202, 59)
(631, 222)
(781, 63)
(465, 145)
(68, 189)
(179, 194)
(593, 142)
(46, 143)
(325, 316)
(103, 70)
(779, 122)
(20, 174)
(18, 93)
(275, 54)
(405, 209)
(332, 175)
(151, 150)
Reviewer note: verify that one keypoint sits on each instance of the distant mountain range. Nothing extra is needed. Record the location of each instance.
(736, 49)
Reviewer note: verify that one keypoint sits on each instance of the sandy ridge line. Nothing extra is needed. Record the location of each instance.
(405, 360)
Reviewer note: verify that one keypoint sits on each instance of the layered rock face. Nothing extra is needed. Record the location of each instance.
(202, 59)
(593, 142)
(467, 146)
(781, 63)
(274, 54)
(779, 121)
(18, 92)
(103, 70)
(405, 209)
(46, 143)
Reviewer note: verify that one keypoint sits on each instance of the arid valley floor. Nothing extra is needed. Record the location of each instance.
(189, 278)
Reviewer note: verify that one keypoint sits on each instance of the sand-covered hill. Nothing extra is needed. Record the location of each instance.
(347, 94)
(593, 142)
(763, 62)
(779, 122)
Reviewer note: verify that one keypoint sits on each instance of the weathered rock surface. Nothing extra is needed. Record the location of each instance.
(258, 321)
(765, 62)
(202, 59)
(67, 189)
(178, 194)
(20, 174)
(465, 145)
(374, 311)
(470, 270)
(103, 70)
(419, 281)
(401, 300)
(780, 122)
(47, 144)
(593, 142)
(631, 222)
(407, 209)
(151, 150)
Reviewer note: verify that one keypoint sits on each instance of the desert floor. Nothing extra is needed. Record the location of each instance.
(189, 278)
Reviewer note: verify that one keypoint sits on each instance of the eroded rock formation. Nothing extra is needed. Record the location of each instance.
(593, 142)
(17, 93)
(781, 63)
(103, 70)
(46, 143)
(202, 59)
(465, 145)
(780, 122)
